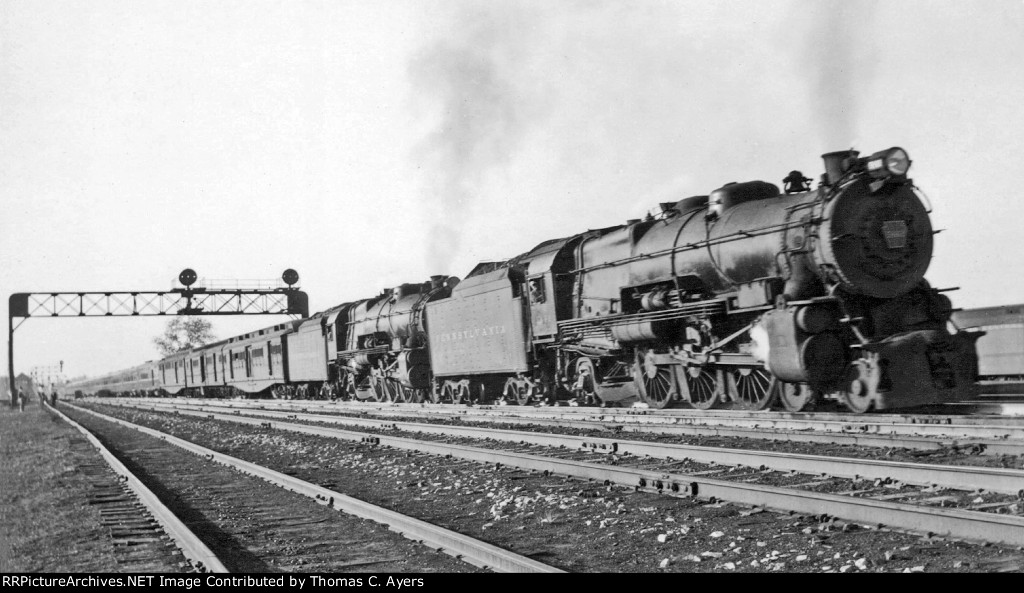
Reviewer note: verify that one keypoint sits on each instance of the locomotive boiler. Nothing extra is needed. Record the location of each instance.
(385, 356)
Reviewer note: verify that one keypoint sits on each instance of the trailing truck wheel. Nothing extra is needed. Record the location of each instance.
(364, 390)
(753, 389)
(585, 388)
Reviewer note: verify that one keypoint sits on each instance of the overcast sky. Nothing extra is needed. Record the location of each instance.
(368, 143)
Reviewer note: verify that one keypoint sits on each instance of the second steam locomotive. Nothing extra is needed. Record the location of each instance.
(749, 295)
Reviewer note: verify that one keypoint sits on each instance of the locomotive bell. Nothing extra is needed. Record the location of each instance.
(795, 182)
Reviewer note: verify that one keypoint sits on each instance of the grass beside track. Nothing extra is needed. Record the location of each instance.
(46, 523)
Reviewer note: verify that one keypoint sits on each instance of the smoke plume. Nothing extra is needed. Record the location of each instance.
(838, 57)
(548, 118)
(485, 105)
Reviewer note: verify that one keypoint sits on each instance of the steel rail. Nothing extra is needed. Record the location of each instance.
(190, 545)
(941, 426)
(689, 413)
(929, 417)
(849, 435)
(851, 438)
(982, 446)
(675, 415)
(970, 478)
(999, 427)
(953, 523)
(466, 548)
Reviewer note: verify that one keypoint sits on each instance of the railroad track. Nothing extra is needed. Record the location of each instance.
(147, 535)
(960, 425)
(1007, 481)
(958, 414)
(988, 426)
(820, 486)
(1005, 438)
(261, 526)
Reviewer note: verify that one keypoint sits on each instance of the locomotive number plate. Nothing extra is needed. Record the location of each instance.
(895, 233)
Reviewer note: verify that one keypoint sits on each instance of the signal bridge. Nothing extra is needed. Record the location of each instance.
(243, 298)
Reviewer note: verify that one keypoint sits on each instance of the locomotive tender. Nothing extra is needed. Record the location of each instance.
(748, 295)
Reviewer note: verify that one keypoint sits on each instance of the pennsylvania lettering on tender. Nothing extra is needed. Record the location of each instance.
(477, 332)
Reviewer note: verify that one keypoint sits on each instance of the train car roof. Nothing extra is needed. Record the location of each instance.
(989, 316)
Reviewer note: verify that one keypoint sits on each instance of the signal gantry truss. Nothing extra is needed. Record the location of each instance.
(178, 301)
(280, 301)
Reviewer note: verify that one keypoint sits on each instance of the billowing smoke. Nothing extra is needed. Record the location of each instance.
(838, 57)
(548, 118)
(485, 103)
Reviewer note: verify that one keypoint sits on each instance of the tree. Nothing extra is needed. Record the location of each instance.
(183, 333)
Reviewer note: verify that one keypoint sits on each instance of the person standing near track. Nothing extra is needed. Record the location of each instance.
(21, 399)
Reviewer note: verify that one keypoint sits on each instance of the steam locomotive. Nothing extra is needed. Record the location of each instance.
(748, 296)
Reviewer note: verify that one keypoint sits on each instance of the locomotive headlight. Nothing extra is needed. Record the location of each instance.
(888, 163)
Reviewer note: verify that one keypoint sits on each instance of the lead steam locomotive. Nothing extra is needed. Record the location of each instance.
(749, 296)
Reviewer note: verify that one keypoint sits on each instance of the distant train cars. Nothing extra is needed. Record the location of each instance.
(1001, 349)
(139, 380)
(747, 296)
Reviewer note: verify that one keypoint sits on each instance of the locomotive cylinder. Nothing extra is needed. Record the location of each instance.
(795, 356)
